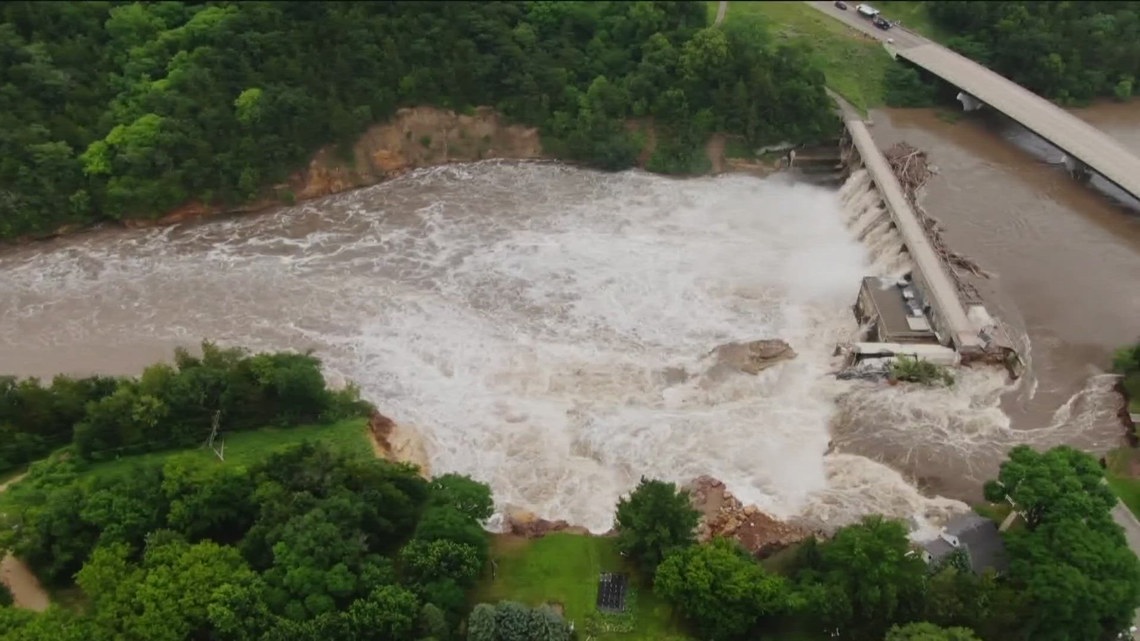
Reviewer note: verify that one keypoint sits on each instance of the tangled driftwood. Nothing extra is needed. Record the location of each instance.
(912, 169)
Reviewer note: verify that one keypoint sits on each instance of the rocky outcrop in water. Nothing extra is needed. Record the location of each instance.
(399, 443)
(527, 524)
(753, 357)
(722, 514)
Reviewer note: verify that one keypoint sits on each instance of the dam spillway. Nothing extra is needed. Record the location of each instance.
(962, 325)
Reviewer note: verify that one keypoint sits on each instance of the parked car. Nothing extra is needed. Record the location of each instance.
(840, 4)
(881, 23)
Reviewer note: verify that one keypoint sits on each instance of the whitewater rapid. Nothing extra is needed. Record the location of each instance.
(531, 321)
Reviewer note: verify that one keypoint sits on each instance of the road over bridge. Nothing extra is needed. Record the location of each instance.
(1079, 140)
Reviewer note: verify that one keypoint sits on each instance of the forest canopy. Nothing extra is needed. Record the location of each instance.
(1067, 51)
(112, 110)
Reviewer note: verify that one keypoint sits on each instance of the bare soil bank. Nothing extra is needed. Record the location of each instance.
(417, 137)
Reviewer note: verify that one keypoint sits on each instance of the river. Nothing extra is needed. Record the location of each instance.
(531, 321)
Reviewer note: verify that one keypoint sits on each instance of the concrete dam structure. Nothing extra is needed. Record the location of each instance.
(924, 313)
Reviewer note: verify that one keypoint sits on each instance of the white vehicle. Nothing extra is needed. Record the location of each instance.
(866, 10)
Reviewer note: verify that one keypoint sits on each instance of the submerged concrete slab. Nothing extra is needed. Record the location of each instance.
(939, 288)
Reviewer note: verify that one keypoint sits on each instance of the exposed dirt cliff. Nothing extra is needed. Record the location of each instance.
(722, 514)
(396, 442)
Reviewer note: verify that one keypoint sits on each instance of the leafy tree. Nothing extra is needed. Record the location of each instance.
(512, 622)
(1060, 483)
(166, 598)
(654, 520)
(865, 579)
(433, 623)
(1079, 582)
(929, 632)
(1066, 51)
(463, 494)
(721, 589)
(389, 613)
(5, 596)
(481, 624)
(427, 561)
(113, 111)
(449, 524)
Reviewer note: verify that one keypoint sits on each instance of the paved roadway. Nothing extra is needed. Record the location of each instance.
(1131, 527)
(901, 37)
(1074, 136)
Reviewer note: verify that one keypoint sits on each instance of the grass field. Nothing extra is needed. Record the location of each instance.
(245, 448)
(853, 63)
(914, 17)
(241, 449)
(564, 569)
(1121, 476)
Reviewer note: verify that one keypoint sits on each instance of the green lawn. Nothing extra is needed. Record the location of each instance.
(241, 449)
(853, 63)
(246, 448)
(1121, 478)
(564, 569)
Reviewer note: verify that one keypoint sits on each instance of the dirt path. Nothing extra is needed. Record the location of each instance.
(720, 12)
(26, 590)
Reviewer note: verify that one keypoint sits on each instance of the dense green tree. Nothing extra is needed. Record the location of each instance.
(462, 493)
(1068, 51)
(865, 579)
(426, 561)
(433, 623)
(929, 632)
(481, 623)
(117, 110)
(1079, 582)
(168, 596)
(1062, 482)
(512, 622)
(721, 589)
(5, 597)
(654, 520)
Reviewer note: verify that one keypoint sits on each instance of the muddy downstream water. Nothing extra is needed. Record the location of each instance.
(533, 321)
(1065, 265)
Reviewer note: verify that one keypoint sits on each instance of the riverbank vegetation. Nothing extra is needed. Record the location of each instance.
(113, 110)
(854, 65)
(168, 406)
(1126, 363)
(909, 369)
(317, 542)
(1071, 52)
(308, 543)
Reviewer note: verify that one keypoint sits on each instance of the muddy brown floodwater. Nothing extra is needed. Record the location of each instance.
(524, 317)
(1064, 258)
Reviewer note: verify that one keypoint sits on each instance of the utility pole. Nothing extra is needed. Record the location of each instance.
(218, 451)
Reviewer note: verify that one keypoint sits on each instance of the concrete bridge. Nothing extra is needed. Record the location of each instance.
(1086, 146)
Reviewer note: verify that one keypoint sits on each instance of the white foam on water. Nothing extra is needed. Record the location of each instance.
(524, 317)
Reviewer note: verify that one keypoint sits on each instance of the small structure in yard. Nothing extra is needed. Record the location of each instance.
(976, 536)
(613, 589)
(895, 312)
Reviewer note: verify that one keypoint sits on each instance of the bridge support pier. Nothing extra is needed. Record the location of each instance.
(1078, 170)
(969, 103)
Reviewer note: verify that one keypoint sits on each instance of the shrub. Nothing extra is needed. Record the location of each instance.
(915, 370)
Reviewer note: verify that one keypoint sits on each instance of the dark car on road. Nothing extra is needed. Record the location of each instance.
(881, 23)
(840, 4)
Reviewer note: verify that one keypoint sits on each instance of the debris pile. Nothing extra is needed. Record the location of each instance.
(912, 170)
(722, 514)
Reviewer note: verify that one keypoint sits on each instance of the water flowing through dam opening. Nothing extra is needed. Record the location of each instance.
(546, 330)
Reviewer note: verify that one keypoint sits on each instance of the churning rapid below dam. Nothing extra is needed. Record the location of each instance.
(545, 329)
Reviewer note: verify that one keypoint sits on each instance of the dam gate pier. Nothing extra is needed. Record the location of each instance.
(927, 313)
